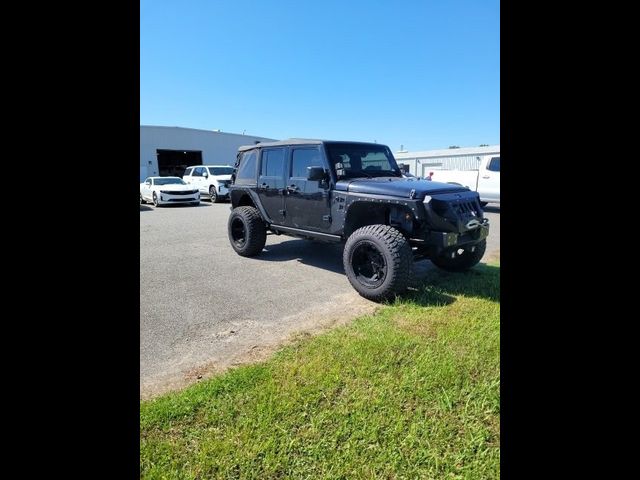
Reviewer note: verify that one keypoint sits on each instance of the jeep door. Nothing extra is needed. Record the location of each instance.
(307, 203)
(271, 183)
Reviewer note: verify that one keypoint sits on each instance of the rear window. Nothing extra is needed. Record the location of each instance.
(494, 164)
(247, 170)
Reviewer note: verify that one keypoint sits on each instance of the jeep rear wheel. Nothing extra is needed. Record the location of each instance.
(460, 259)
(377, 260)
(246, 230)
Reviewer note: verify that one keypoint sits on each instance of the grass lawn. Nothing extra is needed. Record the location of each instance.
(410, 392)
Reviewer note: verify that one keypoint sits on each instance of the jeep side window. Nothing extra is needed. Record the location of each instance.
(272, 162)
(187, 171)
(247, 170)
(494, 164)
(197, 172)
(272, 167)
(303, 158)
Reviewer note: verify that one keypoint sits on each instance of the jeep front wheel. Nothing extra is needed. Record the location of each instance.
(460, 259)
(377, 260)
(246, 230)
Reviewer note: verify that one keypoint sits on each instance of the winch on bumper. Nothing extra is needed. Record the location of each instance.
(442, 240)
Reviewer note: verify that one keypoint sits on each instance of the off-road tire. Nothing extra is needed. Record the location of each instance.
(462, 261)
(383, 243)
(246, 230)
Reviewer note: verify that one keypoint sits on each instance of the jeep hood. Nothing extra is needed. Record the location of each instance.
(396, 187)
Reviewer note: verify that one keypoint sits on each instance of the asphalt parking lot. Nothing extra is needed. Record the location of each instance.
(203, 308)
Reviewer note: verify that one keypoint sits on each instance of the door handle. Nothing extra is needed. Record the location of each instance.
(486, 176)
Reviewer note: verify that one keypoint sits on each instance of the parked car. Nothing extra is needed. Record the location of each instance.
(485, 180)
(168, 190)
(211, 180)
(354, 193)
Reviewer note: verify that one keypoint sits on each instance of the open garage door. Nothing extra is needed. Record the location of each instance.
(172, 163)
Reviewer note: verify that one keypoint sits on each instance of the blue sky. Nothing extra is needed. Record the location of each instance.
(423, 74)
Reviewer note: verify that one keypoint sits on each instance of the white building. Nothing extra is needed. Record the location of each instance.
(167, 151)
(421, 163)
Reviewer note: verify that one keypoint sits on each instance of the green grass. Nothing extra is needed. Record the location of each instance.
(410, 392)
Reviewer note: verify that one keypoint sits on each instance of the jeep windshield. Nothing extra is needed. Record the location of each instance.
(354, 160)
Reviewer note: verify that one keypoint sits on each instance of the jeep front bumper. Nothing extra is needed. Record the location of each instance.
(441, 240)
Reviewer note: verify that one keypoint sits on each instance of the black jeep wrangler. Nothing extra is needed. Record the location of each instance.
(354, 193)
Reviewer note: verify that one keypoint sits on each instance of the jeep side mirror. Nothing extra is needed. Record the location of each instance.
(315, 173)
(205, 175)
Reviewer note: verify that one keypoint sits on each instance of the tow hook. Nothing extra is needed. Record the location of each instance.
(475, 223)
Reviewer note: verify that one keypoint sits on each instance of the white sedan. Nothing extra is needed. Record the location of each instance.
(168, 190)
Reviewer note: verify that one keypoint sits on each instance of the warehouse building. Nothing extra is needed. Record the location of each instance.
(167, 151)
(421, 163)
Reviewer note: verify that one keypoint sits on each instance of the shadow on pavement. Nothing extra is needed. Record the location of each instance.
(316, 254)
(429, 285)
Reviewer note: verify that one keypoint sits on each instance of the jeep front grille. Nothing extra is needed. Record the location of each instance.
(467, 207)
(455, 212)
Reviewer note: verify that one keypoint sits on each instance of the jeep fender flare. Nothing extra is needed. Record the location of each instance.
(237, 194)
(368, 210)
